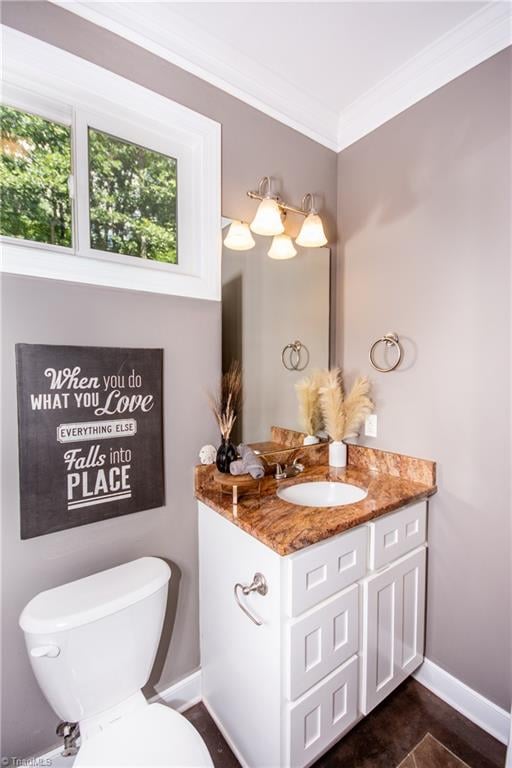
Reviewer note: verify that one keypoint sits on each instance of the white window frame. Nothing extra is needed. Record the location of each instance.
(55, 84)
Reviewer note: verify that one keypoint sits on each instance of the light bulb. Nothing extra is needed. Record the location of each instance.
(268, 218)
(239, 237)
(312, 233)
(282, 248)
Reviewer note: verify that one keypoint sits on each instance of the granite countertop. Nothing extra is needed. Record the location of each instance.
(391, 480)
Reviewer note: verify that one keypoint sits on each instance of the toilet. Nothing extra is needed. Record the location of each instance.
(92, 644)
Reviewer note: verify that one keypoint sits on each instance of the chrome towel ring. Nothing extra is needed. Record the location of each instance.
(258, 585)
(291, 356)
(389, 339)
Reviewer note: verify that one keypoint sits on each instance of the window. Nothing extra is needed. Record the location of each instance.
(34, 172)
(132, 199)
(103, 181)
(132, 189)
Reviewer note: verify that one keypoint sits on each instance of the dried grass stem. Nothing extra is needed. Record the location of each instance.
(227, 402)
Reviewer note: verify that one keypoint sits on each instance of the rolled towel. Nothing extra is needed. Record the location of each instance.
(247, 463)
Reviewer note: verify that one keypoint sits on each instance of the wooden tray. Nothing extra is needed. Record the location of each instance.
(236, 485)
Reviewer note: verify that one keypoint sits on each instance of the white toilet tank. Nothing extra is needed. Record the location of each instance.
(92, 642)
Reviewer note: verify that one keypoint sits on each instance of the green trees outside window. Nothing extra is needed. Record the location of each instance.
(34, 171)
(132, 194)
(132, 189)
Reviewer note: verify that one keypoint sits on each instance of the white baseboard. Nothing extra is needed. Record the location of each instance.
(180, 696)
(183, 694)
(465, 700)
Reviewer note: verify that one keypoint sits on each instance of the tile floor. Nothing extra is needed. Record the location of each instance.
(430, 753)
(411, 729)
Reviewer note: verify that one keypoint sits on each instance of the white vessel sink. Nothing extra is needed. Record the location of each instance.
(322, 494)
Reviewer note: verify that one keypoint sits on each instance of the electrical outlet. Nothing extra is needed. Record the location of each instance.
(370, 425)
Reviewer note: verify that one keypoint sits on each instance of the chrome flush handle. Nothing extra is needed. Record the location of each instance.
(45, 650)
(258, 585)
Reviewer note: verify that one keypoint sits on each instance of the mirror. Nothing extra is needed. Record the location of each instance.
(267, 306)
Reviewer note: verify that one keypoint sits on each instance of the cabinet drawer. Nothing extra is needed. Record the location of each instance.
(322, 716)
(321, 641)
(396, 534)
(323, 570)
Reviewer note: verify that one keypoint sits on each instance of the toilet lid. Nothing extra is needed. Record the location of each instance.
(149, 736)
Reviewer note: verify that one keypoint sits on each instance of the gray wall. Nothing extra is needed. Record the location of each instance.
(252, 145)
(424, 206)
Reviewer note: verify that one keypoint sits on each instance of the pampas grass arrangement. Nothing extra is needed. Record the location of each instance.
(310, 413)
(342, 415)
(331, 404)
(227, 402)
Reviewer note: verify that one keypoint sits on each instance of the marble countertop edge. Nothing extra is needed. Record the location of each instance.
(287, 528)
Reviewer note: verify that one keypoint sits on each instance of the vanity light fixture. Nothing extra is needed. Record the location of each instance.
(312, 233)
(239, 237)
(268, 216)
(282, 247)
(268, 219)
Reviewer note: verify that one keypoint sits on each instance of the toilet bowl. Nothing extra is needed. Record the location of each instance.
(92, 644)
(155, 736)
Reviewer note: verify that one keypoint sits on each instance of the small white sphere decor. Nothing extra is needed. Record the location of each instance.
(337, 454)
(207, 454)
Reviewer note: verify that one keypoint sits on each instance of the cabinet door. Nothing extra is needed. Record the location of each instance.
(393, 626)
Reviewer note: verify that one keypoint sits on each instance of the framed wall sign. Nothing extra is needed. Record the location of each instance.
(90, 434)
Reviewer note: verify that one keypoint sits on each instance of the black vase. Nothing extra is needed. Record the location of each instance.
(226, 453)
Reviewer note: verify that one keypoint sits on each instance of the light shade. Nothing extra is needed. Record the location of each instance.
(312, 233)
(239, 237)
(268, 218)
(282, 248)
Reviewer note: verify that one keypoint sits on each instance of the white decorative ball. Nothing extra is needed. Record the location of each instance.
(208, 454)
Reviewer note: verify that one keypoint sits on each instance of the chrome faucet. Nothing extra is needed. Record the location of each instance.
(288, 470)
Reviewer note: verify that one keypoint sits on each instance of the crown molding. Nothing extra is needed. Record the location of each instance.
(476, 39)
(481, 35)
(201, 54)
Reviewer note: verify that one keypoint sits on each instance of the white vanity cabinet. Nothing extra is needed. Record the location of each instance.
(340, 626)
